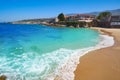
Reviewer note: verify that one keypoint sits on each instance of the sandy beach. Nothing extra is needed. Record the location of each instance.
(102, 64)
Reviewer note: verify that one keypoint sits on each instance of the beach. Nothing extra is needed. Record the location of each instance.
(51, 62)
(102, 64)
(25, 45)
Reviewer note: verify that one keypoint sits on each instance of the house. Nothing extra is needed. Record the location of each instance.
(112, 21)
(104, 22)
(80, 18)
(115, 21)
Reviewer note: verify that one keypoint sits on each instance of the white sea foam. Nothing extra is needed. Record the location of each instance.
(59, 64)
(66, 70)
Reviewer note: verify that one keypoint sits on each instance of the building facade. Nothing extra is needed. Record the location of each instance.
(115, 21)
(80, 18)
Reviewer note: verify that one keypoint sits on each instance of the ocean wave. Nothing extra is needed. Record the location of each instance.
(57, 65)
(66, 70)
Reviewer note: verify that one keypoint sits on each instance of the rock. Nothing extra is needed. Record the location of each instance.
(3, 77)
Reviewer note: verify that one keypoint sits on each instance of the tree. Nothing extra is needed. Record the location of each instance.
(61, 17)
(103, 15)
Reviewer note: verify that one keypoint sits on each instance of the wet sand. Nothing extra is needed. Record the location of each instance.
(102, 64)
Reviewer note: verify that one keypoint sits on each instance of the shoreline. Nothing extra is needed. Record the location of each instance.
(101, 64)
(71, 65)
(66, 72)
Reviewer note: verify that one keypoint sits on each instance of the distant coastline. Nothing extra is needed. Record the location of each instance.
(79, 20)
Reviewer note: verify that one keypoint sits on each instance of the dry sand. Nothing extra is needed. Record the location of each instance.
(102, 64)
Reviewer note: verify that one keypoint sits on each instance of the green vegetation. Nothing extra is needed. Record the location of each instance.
(73, 23)
(103, 15)
(61, 17)
(62, 21)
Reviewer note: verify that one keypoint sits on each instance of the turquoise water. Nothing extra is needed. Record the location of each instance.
(32, 52)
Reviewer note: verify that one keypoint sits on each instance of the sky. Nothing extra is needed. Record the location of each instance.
(13, 10)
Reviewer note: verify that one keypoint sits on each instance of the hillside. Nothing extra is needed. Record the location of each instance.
(114, 12)
(39, 21)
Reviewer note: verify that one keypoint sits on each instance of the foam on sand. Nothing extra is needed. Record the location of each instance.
(57, 65)
(66, 70)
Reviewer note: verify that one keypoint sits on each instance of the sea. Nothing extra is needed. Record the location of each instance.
(39, 52)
